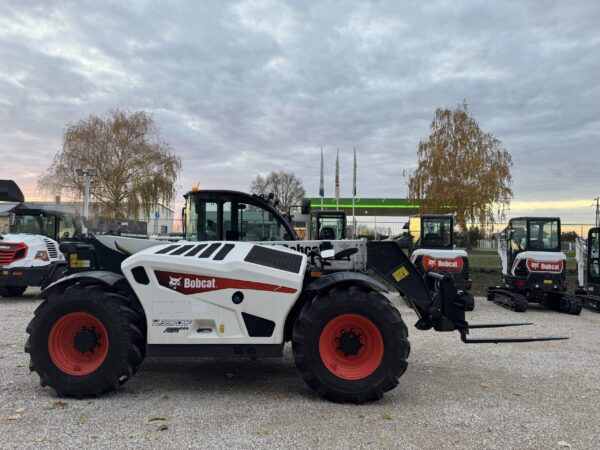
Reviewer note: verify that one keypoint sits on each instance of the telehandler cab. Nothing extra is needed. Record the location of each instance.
(588, 261)
(533, 267)
(240, 284)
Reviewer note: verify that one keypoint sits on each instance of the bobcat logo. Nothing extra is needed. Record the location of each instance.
(174, 283)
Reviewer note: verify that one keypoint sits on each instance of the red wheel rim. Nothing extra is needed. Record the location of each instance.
(351, 346)
(78, 343)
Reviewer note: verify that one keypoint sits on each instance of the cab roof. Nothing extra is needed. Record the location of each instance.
(40, 212)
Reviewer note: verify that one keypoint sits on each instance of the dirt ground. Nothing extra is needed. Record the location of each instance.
(541, 396)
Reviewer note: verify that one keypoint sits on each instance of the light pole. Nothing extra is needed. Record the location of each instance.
(87, 175)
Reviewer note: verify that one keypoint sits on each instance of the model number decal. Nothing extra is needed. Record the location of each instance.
(171, 323)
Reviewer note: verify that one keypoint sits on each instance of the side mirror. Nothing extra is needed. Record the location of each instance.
(305, 208)
(346, 253)
(326, 254)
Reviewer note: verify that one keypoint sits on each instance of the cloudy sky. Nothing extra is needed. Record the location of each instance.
(240, 88)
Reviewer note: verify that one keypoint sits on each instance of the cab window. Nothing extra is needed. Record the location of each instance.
(437, 232)
(543, 234)
(28, 224)
(331, 228)
(518, 236)
(207, 221)
(66, 228)
(245, 221)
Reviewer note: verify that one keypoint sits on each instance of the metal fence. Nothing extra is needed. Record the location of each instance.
(386, 228)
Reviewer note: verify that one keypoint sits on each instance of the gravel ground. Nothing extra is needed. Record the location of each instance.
(543, 395)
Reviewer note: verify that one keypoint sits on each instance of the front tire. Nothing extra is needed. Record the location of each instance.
(85, 341)
(350, 345)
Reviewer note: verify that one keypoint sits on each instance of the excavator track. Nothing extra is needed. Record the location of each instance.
(562, 302)
(507, 299)
(590, 302)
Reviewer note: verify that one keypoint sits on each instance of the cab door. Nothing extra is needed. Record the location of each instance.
(517, 241)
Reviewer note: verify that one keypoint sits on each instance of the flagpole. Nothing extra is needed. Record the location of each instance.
(354, 195)
(337, 180)
(322, 181)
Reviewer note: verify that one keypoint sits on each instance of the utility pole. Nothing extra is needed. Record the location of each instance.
(597, 200)
(87, 175)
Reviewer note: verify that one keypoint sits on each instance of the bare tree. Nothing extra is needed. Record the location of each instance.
(461, 170)
(285, 186)
(136, 168)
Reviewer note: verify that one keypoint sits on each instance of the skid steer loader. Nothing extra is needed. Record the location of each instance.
(240, 284)
(587, 254)
(533, 267)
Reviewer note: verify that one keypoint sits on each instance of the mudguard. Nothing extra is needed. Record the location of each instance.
(335, 278)
(102, 277)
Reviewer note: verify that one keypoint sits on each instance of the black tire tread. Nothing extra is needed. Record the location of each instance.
(131, 326)
(305, 327)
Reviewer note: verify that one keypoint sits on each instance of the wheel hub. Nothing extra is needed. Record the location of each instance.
(351, 346)
(86, 340)
(349, 342)
(78, 343)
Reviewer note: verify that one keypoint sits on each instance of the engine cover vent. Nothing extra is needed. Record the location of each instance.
(51, 247)
(269, 257)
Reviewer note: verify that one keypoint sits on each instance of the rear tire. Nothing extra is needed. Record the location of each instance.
(85, 341)
(350, 345)
(12, 291)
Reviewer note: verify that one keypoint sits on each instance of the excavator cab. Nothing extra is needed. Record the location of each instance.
(431, 231)
(327, 226)
(588, 260)
(432, 249)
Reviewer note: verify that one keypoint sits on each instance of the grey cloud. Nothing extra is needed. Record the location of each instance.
(248, 87)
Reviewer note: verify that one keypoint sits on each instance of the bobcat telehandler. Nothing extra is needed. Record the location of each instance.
(534, 268)
(240, 284)
(29, 253)
(587, 254)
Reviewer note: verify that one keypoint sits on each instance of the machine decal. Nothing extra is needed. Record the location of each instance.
(188, 284)
(545, 266)
(171, 323)
(443, 264)
(400, 274)
(174, 283)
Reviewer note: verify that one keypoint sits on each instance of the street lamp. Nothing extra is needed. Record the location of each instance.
(87, 175)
